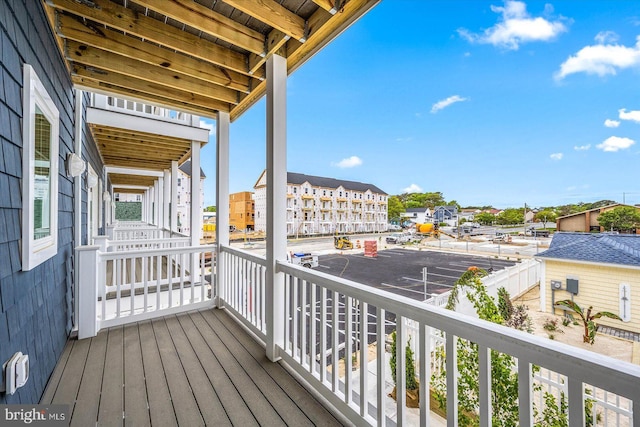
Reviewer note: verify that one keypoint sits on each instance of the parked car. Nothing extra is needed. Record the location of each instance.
(394, 227)
(397, 238)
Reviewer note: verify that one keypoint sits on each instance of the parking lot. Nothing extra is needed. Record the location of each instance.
(399, 270)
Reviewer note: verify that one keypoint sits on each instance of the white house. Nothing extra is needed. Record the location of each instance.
(184, 197)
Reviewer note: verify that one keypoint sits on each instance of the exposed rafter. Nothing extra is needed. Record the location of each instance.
(274, 15)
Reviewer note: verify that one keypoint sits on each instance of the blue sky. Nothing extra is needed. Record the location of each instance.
(489, 102)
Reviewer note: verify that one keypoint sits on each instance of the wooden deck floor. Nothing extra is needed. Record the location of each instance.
(197, 368)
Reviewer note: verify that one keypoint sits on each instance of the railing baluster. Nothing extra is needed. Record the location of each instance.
(303, 323)
(484, 374)
(158, 260)
(132, 291)
(364, 358)
(401, 379)
(313, 327)
(451, 361)
(524, 392)
(348, 348)
(288, 345)
(381, 366)
(576, 402)
(424, 353)
(118, 285)
(335, 325)
(323, 335)
(294, 312)
(145, 282)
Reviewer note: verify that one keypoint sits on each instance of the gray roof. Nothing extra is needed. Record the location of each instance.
(623, 249)
(416, 210)
(319, 181)
(186, 168)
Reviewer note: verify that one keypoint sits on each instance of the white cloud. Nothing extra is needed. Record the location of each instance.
(582, 147)
(349, 162)
(556, 156)
(601, 59)
(631, 115)
(446, 102)
(413, 188)
(611, 123)
(208, 125)
(606, 37)
(615, 143)
(516, 26)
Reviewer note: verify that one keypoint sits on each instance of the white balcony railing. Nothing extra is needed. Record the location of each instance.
(330, 323)
(143, 110)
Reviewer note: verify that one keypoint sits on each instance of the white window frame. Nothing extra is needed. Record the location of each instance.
(35, 252)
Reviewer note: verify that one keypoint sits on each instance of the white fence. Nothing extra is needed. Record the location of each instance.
(516, 279)
(328, 324)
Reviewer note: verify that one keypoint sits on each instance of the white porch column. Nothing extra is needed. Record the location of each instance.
(222, 200)
(143, 215)
(196, 215)
(77, 203)
(160, 202)
(276, 201)
(156, 202)
(174, 196)
(166, 199)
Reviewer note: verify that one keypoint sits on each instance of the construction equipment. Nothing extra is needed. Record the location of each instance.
(342, 242)
(432, 230)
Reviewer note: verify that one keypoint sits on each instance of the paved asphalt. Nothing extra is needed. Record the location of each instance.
(399, 270)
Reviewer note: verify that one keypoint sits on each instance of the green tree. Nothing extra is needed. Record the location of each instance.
(210, 209)
(484, 218)
(395, 207)
(590, 327)
(544, 216)
(621, 218)
(409, 364)
(511, 216)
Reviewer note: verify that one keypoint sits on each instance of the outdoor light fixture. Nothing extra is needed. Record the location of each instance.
(92, 180)
(106, 196)
(75, 165)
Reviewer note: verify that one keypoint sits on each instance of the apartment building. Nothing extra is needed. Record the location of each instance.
(320, 205)
(184, 197)
(241, 210)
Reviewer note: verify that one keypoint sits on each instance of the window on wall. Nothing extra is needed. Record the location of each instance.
(40, 130)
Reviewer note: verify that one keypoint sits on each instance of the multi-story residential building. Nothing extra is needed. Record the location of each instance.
(241, 210)
(320, 205)
(184, 197)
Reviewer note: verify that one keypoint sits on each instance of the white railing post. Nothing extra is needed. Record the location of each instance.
(88, 258)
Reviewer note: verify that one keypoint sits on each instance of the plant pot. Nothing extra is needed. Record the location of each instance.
(412, 397)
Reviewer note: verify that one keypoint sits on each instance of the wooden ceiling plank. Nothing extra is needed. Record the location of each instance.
(103, 87)
(129, 161)
(98, 58)
(124, 19)
(206, 20)
(328, 5)
(133, 48)
(273, 14)
(104, 139)
(141, 148)
(159, 94)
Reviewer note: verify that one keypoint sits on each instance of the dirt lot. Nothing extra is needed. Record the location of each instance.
(607, 345)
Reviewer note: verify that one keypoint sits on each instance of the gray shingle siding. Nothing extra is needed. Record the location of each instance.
(34, 305)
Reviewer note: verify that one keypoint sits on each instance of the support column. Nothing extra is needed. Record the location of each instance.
(160, 199)
(143, 215)
(174, 196)
(166, 200)
(276, 201)
(196, 215)
(222, 201)
(77, 204)
(156, 202)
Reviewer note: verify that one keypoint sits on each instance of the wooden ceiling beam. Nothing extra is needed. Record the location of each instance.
(273, 14)
(101, 59)
(133, 48)
(123, 19)
(209, 22)
(328, 5)
(275, 41)
(102, 132)
(148, 91)
(129, 161)
(106, 139)
(142, 148)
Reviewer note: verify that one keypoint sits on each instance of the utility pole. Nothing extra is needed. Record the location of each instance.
(424, 279)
